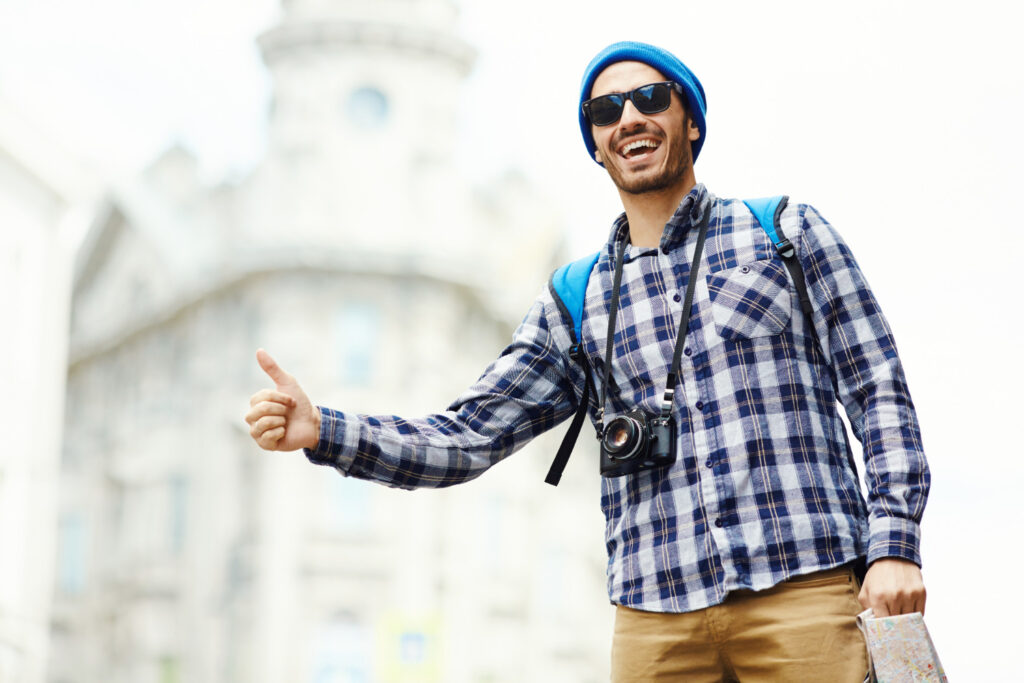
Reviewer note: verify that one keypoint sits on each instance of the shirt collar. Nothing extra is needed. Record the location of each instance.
(688, 213)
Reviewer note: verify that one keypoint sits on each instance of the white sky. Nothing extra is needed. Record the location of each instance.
(899, 121)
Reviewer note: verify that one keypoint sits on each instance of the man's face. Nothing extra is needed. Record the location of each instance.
(663, 159)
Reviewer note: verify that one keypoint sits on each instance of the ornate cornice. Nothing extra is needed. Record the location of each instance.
(234, 278)
(416, 42)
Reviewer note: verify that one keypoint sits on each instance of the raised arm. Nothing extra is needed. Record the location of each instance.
(523, 393)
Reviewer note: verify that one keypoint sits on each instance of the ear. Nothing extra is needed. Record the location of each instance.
(692, 131)
(597, 156)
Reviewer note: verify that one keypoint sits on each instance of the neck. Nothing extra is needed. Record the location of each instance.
(648, 213)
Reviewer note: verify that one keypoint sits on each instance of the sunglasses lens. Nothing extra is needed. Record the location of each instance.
(605, 110)
(652, 99)
(648, 99)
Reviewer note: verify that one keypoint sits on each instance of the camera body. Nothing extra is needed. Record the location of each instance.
(635, 441)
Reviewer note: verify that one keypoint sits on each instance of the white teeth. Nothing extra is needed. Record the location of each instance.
(636, 144)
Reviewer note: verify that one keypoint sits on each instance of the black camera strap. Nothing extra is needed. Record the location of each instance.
(684, 325)
(610, 344)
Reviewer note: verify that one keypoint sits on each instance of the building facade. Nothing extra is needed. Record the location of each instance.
(359, 255)
(40, 187)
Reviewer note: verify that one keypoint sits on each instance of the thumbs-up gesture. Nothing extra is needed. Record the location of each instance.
(282, 418)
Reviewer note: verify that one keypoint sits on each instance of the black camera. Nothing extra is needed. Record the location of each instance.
(635, 441)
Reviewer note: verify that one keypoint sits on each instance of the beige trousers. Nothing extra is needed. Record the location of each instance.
(803, 629)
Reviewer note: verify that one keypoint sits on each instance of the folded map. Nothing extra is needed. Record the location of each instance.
(900, 649)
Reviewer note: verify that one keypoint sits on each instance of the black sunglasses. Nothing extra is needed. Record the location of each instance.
(648, 99)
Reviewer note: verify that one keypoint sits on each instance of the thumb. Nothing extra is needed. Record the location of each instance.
(272, 369)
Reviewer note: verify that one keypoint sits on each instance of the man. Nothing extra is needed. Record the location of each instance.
(735, 561)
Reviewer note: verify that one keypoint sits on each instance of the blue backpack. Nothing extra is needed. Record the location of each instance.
(568, 286)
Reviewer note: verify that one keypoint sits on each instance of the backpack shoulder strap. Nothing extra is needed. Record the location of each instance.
(768, 214)
(568, 287)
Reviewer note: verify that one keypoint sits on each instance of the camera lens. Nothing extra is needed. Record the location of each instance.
(622, 438)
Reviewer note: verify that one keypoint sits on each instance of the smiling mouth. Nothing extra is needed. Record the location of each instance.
(639, 148)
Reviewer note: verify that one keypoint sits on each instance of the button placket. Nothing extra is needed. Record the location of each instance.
(701, 441)
(697, 378)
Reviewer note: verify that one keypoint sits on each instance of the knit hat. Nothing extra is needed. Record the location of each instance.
(662, 60)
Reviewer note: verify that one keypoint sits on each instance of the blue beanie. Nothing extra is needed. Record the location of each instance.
(662, 60)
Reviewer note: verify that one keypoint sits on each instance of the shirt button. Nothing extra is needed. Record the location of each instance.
(745, 269)
(664, 250)
(687, 351)
(718, 522)
(676, 297)
(709, 464)
(700, 405)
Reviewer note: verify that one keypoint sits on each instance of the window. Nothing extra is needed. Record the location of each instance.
(347, 504)
(367, 107)
(412, 647)
(71, 567)
(178, 499)
(341, 653)
(358, 329)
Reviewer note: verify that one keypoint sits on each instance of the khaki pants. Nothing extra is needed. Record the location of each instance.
(804, 629)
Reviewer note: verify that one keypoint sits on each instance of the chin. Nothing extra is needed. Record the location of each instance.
(642, 183)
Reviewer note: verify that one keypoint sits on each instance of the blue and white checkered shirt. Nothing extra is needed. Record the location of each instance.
(762, 488)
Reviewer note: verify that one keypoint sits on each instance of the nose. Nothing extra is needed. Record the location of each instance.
(631, 116)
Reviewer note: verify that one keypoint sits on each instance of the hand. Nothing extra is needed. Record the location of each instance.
(893, 586)
(282, 419)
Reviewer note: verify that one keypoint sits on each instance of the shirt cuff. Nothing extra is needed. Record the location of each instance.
(895, 537)
(332, 448)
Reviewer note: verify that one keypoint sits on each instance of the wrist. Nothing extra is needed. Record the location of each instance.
(315, 437)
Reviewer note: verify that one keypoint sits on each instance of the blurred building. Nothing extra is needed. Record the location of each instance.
(361, 258)
(40, 188)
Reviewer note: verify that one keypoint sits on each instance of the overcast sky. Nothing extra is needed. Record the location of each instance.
(899, 121)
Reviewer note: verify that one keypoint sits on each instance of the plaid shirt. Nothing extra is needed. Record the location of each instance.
(763, 486)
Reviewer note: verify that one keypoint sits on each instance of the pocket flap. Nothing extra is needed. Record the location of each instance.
(751, 300)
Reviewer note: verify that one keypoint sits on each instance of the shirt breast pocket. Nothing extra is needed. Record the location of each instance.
(751, 300)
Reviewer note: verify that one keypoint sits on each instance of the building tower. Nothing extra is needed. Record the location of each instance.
(361, 258)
